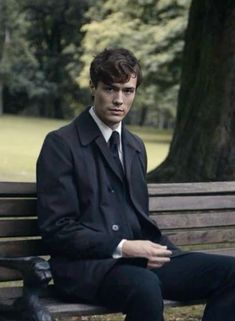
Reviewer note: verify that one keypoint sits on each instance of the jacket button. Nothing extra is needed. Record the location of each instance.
(115, 227)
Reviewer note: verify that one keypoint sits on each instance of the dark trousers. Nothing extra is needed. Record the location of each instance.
(139, 292)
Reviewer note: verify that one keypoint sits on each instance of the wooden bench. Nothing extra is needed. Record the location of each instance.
(197, 216)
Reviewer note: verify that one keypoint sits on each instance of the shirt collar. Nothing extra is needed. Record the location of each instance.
(105, 130)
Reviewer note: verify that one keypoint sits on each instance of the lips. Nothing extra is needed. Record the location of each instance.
(116, 111)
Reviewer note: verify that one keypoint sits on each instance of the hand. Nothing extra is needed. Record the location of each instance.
(156, 254)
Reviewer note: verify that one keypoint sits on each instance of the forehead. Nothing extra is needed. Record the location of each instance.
(131, 83)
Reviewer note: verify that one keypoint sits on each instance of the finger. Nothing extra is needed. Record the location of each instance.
(151, 265)
(158, 246)
(159, 260)
(162, 253)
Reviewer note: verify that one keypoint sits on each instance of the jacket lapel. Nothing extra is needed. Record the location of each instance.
(102, 145)
(89, 132)
(130, 148)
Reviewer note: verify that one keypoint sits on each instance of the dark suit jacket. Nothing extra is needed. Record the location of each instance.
(79, 192)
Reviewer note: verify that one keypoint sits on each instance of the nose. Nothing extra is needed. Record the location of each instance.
(118, 98)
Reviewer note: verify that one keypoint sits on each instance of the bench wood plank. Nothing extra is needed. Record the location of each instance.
(183, 203)
(9, 228)
(17, 207)
(204, 188)
(194, 219)
(19, 248)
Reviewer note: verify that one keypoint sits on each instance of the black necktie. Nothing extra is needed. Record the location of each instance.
(114, 143)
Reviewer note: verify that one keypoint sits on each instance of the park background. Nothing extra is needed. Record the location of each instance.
(184, 111)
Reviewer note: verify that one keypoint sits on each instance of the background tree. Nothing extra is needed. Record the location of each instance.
(203, 146)
(17, 63)
(154, 31)
(54, 37)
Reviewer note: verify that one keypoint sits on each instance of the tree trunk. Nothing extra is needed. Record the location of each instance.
(203, 145)
(1, 97)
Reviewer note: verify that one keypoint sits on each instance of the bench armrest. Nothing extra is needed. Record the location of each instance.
(34, 270)
(36, 275)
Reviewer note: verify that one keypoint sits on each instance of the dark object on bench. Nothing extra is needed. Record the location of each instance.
(198, 216)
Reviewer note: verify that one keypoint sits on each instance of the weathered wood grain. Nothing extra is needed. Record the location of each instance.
(190, 220)
(192, 188)
(192, 237)
(183, 203)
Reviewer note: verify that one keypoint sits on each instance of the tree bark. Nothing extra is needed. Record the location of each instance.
(1, 97)
(203, 145)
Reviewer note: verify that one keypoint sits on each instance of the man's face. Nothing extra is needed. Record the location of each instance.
(112, 102)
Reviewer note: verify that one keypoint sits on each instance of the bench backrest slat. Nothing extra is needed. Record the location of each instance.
(176, 220)
(8, 274)
(17, 248)
(11, 189)
(17, 207)
(183, 203)
(205, 188)
(17, 228)
(194, 237)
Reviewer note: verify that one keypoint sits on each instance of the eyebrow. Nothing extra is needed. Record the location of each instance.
(123, 88)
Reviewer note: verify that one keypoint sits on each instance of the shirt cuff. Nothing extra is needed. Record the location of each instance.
(117, 254)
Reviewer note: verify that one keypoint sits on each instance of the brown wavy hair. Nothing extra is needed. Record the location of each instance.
(115, 66)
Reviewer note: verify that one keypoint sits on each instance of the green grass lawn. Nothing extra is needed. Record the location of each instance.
(22, 137)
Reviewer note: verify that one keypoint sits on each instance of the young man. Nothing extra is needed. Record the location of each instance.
(93, 212)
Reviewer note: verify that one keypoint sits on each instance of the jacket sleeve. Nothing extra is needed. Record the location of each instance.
(59, 214)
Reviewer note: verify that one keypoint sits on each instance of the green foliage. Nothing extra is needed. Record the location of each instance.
(43, 64)
(39, 53)
(153, 30)
(54, 37)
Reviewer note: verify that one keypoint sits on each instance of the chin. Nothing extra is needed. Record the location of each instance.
(114, 120)
(113, 124)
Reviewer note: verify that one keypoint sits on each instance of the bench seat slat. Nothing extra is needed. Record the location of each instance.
(184, 203)
(59, 308)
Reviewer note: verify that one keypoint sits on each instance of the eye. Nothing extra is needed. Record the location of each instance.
(129, 91)
(108, 89)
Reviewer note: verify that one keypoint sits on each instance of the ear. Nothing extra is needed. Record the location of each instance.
(92, 87)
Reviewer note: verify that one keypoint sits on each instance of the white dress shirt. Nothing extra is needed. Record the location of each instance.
(107, 131)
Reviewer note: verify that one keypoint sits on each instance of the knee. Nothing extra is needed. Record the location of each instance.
(146, 289)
